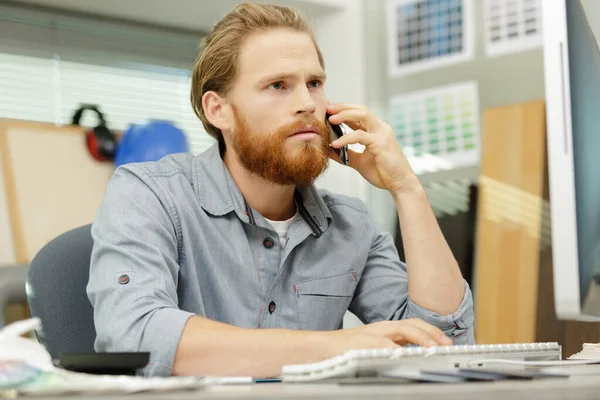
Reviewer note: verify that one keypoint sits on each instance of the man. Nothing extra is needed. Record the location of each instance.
(231, 262)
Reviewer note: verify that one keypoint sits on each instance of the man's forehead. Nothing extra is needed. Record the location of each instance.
(279, 52)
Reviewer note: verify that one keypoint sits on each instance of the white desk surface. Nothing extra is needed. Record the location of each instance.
(575, 387)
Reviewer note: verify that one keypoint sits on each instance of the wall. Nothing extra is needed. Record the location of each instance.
(341, 37)
(502, 80)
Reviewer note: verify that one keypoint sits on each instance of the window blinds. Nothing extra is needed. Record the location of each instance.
(50, 63)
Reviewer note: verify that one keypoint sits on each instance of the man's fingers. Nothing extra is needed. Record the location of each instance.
(417, 332)
(355, 118)
(433, 331)
(336, 107)
(390, 344)
(410, 333)
(355, 137)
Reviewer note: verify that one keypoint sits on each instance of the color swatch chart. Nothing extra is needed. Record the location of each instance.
(442, 121)
(429, 28)
(428, 34)
(512, 26)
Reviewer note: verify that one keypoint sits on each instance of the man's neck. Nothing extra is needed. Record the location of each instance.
(272, 201)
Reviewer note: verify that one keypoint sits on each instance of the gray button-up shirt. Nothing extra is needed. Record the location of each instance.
(175, 238)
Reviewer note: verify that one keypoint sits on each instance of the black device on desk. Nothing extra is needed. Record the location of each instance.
(104, 363)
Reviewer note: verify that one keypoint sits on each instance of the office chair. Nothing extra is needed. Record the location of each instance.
(56, 293)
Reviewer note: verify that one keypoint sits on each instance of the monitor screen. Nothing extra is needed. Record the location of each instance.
(584, 77)
(572, 78)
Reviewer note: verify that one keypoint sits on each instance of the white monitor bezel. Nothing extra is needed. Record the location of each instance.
(567, 296)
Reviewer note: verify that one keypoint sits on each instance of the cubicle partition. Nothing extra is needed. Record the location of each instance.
(49, 183)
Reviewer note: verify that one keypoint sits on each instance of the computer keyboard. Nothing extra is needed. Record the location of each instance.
(378, 362)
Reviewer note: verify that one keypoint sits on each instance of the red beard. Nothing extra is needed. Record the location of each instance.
(273, 157)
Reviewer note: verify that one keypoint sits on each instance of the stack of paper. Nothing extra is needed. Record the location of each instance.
(26, 368)
(590, 351)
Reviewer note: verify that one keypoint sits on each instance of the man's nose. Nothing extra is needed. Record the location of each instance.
(304, 103)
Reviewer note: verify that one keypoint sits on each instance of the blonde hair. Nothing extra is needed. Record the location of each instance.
(215, 68)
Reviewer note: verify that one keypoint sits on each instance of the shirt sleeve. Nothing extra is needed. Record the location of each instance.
(133, 272)
(382, 294)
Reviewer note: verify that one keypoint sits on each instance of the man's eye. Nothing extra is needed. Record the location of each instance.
(276, 85)
(315, 84)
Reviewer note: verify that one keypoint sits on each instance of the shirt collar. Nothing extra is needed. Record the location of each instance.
(218, 194)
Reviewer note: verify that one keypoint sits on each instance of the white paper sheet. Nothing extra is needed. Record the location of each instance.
(26, 368)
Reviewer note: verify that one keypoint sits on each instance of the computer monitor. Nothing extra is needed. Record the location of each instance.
(572, 82)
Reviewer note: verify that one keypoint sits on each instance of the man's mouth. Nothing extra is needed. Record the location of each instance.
(305, 133)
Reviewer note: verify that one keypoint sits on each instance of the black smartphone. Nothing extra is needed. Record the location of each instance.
(335, 132)
(105, 363)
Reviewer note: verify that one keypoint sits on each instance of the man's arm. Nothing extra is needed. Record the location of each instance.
(134, 270)
(383, 292)
(436, 290)
(212, 348)
(434, 278)
(208, 347)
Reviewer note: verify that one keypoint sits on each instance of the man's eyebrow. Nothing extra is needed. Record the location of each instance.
(319, 76)
(283, 76)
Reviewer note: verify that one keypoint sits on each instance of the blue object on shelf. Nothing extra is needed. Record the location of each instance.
(150, 142)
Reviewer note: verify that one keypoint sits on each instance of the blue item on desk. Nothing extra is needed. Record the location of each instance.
(267, 380)
(150, 142)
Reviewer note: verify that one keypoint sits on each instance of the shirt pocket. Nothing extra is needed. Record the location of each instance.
(322, 303)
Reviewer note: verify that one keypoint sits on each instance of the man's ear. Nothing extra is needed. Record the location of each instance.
(216, 110)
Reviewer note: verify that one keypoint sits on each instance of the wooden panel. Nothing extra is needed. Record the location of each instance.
(7, 248)
(509, 223)
(52, 183)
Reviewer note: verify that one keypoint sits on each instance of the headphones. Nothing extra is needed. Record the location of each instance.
(100, 140)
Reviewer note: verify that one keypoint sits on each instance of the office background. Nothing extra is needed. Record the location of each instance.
(135, 63)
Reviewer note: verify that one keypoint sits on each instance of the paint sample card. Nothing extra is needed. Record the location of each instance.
(427, 34)
(511, 26)
(442, 121)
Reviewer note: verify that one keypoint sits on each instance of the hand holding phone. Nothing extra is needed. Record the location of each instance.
(336, 132)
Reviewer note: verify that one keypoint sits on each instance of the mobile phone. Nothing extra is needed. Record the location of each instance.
(335, 132)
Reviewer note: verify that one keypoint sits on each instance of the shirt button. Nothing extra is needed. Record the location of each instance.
(272, 307)
(268, 243)
(124, 279)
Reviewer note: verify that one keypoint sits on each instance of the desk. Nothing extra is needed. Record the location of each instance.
(576, 387)
(572, 388)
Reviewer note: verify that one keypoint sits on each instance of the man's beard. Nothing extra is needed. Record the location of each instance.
(275, 157)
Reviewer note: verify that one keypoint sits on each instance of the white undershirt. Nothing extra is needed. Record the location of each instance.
(281, 227)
